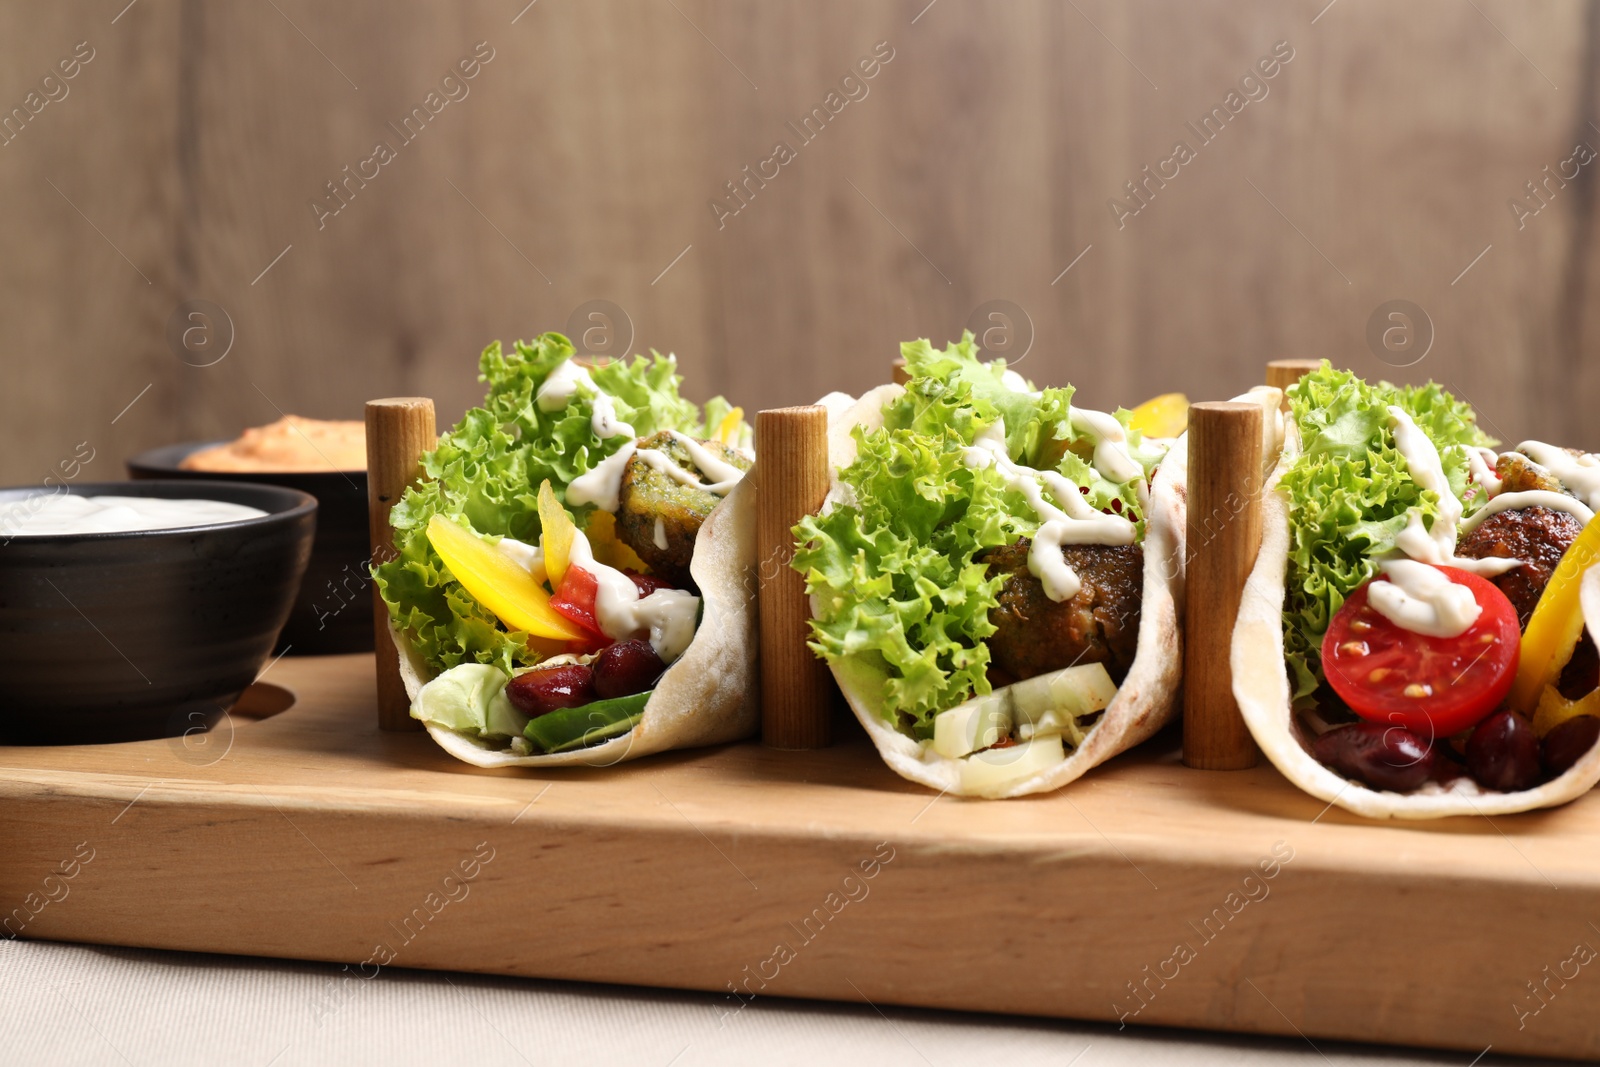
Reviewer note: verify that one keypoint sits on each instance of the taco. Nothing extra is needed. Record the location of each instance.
(572, 575)
(1415, 639)
(995, 576)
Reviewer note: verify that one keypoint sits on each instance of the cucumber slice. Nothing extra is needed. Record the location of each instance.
(992, 770)
(1064, 695)
(978, 723)
(1055, 704)
(562, 731)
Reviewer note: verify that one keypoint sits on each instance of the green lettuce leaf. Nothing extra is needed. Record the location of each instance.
(1349, 492)
(900, 592)
(488, 470)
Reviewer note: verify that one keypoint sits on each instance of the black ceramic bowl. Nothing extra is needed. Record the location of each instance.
(333, 612)
(119, 636)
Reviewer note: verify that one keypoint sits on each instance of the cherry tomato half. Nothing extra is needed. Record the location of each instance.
(575, 600)
(1435, 686)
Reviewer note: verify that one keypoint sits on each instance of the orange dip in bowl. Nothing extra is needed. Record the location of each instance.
(290, 444)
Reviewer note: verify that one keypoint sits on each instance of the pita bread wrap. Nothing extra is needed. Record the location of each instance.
(706, 695)
(1264, 683)
(1146, 698)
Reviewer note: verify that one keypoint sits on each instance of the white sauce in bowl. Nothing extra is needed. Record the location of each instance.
(66, 514)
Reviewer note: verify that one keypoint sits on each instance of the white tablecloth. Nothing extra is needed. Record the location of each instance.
(76, 1004)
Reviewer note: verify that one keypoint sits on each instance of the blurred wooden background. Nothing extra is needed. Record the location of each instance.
(181, 162)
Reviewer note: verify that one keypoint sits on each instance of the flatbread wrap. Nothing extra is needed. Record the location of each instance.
(574, 574)
(1415, 639)
(996, 575)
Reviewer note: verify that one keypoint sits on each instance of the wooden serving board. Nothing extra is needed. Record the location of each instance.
(1227, 900)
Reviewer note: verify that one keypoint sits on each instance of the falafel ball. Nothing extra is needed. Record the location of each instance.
(658, 516)
(1100, 624)
(1538, 536)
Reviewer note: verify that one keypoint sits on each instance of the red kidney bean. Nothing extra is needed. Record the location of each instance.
(625, 668)
(1384, 757)
(546, 689)
(1503, 753)
(645, 583)
(1568, 743)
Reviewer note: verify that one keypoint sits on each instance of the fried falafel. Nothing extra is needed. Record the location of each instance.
(1099, 624)
(659, 516)
(1538, 536)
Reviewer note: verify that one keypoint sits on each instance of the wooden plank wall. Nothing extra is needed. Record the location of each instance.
(583, 160)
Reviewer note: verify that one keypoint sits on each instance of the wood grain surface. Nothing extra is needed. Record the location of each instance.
(791, 479)
(400, 429)
(1223, 539)
(582, 162)
(1146, 892)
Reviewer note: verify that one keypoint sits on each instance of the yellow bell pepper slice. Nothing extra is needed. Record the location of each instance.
(1556, 625)
(498, 583)
(728, 429)
(1555, 709)
(1166, 415)
(556, 535)
(607, 549)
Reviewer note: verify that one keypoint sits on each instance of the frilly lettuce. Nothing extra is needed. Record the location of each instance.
(895, 571)
(488, 470)
(1349, 491)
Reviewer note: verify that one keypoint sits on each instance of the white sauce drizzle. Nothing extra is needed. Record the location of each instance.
(1416, 542)
(669, 614)
(1437, 546)
(1481, 461)
(1017, 383)
(1111, 456)
(1070, 520)
(604, 422)
(660, 538)
(662, 462)
(1579, 475)
(528, 557)
(725, 475)
(602, 486)
(1542, 498)
(1422, 599)
(559, 387)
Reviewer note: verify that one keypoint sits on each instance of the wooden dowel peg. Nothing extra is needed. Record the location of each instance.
(399, 430)
(1282, 373)
(791, 479)
(898, 371)
(1224, 535)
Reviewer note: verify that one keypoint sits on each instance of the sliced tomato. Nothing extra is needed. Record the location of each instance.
(1434, 686)
(574, 600)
